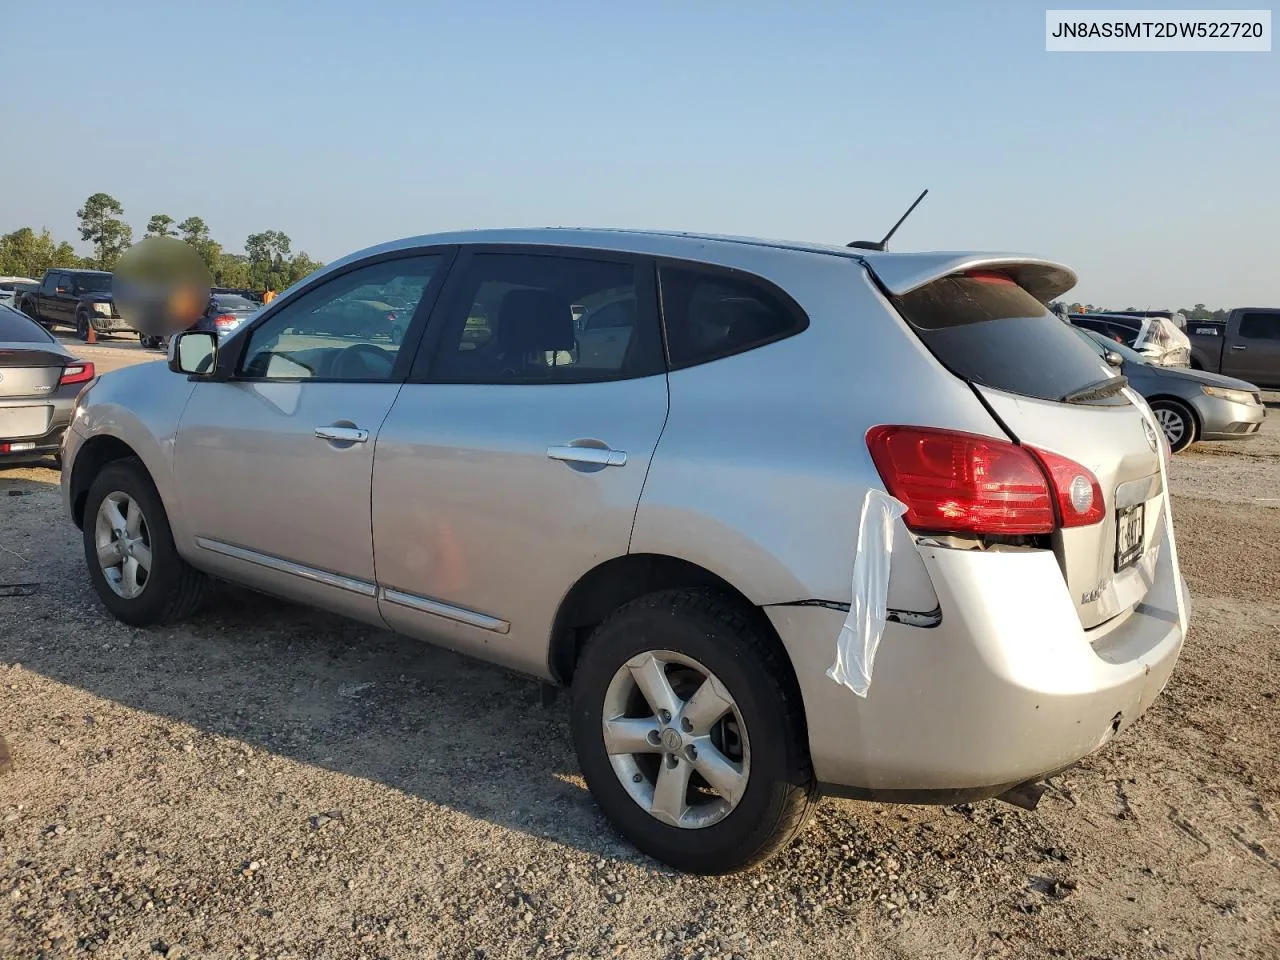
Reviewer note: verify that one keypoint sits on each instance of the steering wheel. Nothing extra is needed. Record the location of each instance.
(351, 363)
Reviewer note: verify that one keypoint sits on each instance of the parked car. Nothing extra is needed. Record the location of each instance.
(9, 289)
(1155, 338)
(1247, 345)
(1176, 317)
(1191, 405)
(75, 298)
(224, 312)
(673, 526)
(39, 381)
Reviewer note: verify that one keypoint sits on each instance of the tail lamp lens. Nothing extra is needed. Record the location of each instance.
(955, 482)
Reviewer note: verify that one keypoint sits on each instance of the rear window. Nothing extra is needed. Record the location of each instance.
(229, 301)
(988, 330)
(17, 328)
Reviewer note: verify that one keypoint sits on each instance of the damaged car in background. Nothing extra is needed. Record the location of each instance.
(765, 571)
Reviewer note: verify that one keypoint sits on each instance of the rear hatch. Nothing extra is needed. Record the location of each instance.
(1052, 393)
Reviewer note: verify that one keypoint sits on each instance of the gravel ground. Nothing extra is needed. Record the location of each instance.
(271, 782)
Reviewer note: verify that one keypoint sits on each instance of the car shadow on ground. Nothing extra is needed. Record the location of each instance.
(314, 688)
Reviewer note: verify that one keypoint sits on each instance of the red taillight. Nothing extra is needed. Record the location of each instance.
(1076, 489)
(78, 372)
(225, 320)
(953, 482)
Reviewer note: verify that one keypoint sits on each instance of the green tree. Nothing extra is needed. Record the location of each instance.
(233, 271)
(160, 225)
(193, 230)
(101, 225)
(25, 253)
(301, 266)
(268, 254)
(1075, 308)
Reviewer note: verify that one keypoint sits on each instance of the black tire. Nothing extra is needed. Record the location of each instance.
(1184, 432)
(82, 325)
(730, 642)
(174, 589)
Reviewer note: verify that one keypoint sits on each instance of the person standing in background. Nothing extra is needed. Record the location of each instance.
(268, 297)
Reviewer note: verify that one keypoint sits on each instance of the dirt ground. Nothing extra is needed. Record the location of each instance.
(271, 782)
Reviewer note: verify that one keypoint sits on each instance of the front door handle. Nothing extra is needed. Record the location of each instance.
(342, 434)
(597, 456)
(1238, 346)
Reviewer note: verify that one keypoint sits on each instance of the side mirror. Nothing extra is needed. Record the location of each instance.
(194, 353)
(1113, 358)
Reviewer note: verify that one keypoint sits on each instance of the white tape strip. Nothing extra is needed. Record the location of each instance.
(860, 635)
(1136, 399)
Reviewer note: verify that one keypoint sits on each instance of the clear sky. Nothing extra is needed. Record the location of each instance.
(1156, 176)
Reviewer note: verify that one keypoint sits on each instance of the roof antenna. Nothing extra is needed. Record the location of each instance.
(883, 244)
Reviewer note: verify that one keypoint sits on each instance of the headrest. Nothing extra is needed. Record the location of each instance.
(535, 320)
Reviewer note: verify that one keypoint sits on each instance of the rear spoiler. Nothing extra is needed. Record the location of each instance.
(900, 273)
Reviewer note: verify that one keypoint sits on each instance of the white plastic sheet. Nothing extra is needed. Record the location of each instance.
(860, 635)
(1178, 585)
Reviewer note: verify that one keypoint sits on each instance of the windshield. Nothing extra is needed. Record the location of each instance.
(1101, 344)
(92, 282)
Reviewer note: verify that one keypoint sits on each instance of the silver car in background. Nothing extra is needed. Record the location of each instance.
(1190, 405)
(789, 519)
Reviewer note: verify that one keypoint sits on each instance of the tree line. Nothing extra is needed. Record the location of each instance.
(1198, 312)
(268, 263)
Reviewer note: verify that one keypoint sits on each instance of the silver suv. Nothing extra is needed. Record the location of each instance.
(789, 519)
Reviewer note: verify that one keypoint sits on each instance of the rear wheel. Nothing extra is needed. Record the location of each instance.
(1177, 422)
(690, 732)
(128, 546)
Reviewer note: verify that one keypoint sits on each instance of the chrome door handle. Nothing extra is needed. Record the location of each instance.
(592, 455)
(343, 434)
(1238, 346)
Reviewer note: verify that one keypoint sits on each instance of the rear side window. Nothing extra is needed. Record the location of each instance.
(1260, 326)
(988, 330)
(16, 328)
(710, 314)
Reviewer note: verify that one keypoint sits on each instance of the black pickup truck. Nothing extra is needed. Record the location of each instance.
(1246, 346)
(75, 298)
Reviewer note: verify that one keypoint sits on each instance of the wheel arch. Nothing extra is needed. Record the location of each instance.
(91, 458)
(618, 581)
(1185, 404)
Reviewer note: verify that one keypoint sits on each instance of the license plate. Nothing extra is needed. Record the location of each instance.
(1130, 526)
(28, 421)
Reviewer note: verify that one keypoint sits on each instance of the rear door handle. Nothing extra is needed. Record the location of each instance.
(1238, 346)
(343, 434)
(601, 457)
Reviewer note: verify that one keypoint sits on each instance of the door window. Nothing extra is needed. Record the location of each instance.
(1260, 326)
(532, 318)
(348, 328)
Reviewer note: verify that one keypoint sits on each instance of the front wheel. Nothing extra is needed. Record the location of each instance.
(1177, 422)
(128, 545)
(690, 732)
(82, 325)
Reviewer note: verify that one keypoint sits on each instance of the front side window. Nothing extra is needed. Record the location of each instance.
(533, 318)
(1260, 326)
(710, 314)
(348, 328)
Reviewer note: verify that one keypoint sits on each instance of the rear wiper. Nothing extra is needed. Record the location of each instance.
(1096, 390)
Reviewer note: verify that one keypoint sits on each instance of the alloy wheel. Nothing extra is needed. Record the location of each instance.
(123, 545)
(1173, 424)
(676, 739)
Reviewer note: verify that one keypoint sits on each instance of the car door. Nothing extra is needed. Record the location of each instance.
(274, 462)
(1254, 353)
(50, 300)
(513, 461)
